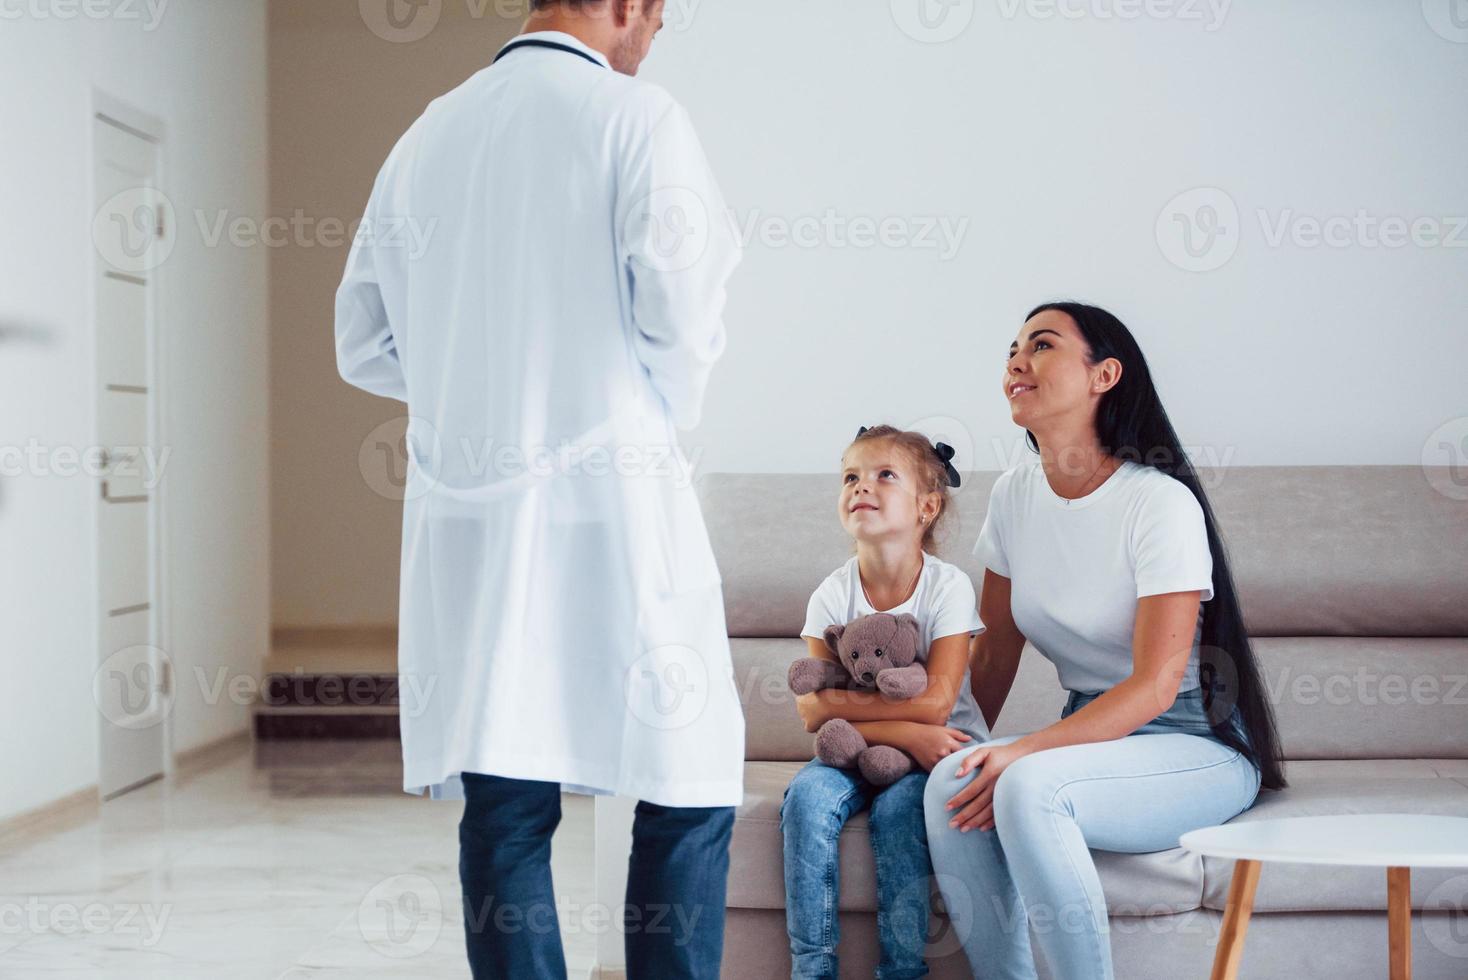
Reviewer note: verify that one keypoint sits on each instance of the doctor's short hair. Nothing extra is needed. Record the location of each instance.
(927, 469)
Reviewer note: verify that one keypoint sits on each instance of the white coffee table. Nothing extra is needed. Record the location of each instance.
(1395, 841)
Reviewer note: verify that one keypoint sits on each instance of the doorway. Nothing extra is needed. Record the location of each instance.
(131, 233)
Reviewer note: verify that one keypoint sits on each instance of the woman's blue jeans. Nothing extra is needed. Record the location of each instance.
(818, 802)
(1034, 869)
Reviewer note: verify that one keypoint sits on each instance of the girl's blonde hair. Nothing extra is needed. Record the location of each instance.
(931, 473)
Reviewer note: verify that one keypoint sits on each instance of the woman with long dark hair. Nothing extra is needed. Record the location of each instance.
(1103, 552)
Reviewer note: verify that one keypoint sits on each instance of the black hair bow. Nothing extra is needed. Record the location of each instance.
(943, 451)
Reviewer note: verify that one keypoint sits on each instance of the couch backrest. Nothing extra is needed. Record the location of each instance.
(1354, 582)
(1316, 550)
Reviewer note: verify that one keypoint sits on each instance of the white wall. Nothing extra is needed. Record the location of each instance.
(1061, 141)
(200, 66)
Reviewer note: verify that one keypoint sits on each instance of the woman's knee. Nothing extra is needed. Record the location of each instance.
(947, 767)
(942, 781)
(941, 786)
(1024, 787)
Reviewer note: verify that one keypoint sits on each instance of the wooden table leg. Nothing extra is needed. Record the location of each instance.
(1399, 921)
(1236, 920)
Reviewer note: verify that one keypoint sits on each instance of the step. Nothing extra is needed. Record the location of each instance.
(333, 650)
(328, 690)
(329, 682)
(369, 721)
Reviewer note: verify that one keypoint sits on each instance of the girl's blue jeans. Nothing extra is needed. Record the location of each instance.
(1034, 869)
(817, 804)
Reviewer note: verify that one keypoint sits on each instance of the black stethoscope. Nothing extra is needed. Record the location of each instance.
(553, 45)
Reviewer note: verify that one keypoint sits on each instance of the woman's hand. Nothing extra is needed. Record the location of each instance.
(812, 710)
(975, 802)
(929, 744)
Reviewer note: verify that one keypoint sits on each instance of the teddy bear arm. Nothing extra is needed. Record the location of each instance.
(839, 744)
(903, 682)
(883, 765)
(810, 674)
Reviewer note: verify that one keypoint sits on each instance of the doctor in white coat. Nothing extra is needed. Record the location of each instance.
(540, 275)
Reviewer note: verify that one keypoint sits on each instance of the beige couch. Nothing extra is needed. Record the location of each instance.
(1354, 582)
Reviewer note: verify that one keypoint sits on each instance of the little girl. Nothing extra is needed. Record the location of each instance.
(893, 496)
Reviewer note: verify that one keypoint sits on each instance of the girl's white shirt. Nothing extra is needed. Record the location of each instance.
(943, 604)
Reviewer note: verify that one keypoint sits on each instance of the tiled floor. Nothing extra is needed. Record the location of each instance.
(277, 860)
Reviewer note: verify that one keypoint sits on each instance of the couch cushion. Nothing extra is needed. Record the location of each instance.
(1429, 786)
(1316, 550)
(1135, 884)
(1160, 882)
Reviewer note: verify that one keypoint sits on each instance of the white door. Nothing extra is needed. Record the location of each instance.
(132, 677)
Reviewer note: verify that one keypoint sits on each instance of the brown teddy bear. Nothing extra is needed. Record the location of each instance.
(876, 652)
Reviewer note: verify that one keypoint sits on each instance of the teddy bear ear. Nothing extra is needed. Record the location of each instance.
(833, 636)
(909, 621)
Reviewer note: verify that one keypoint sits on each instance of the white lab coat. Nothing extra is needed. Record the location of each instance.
(549, 309)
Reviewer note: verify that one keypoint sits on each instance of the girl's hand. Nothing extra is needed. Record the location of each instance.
(931, 743)
(975, 802)
(812, 710)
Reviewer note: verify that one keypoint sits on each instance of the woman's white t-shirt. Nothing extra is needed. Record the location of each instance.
(1078, 567)
(943, 604)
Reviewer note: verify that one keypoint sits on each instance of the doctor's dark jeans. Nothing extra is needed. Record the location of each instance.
(818, 803)
(674, 915)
